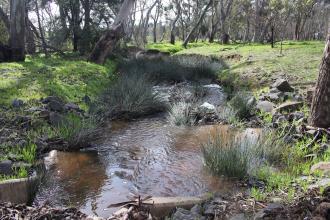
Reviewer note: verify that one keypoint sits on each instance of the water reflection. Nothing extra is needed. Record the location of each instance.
(146, 157)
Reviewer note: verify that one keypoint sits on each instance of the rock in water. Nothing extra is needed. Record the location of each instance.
(283, 85)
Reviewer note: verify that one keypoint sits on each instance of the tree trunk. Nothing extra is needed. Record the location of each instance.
(17, 30)
(109, 40)
(196, 25)
(43, 41)
(320, 111)
(85, 38)
(4, 18)
(172, 38)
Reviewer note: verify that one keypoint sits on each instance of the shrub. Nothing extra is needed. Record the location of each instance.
(29, 153)
(130, 96)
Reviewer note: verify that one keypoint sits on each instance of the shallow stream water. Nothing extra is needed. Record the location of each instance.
(145, 157)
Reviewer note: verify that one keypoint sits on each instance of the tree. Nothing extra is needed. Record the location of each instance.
(109, 40)
(320, 111)
(185, 43)
(17, 30)
(178, 13)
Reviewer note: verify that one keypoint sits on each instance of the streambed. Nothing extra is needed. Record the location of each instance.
(145, 157)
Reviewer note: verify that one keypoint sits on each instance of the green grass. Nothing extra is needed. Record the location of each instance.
(300, 60)
(177, 47)
(68, 78)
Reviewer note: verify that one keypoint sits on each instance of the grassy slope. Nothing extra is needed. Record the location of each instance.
(300, 60)
(68, 78)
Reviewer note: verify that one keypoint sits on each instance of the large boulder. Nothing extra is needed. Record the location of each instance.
(265, 106)
(283, 85)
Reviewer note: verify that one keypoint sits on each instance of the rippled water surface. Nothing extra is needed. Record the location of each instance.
(146, 157)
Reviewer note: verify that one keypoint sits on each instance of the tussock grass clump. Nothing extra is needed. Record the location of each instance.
(242, 105)
(130, 96)
(227, 155)
(179, 114)
(240, 156)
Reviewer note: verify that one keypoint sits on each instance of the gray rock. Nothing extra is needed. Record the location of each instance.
(17, 103)
(206, 108)
(295, 116)
(210, 209)
(283, 85)
(71, 106)
(321, 166)
(274, 97)
(6, 167)
(265, 106)
(270, 211)
(55, 119)
(251, 102)
(51, 98)
(55, 106)
(240, 216)
(182, 214)
(321, 183)
(197, 209)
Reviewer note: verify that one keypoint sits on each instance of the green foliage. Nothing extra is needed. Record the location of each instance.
(241, 106)
(131, 95)
(300, 61)
(257, 194)
(29, 153)
(68, 78)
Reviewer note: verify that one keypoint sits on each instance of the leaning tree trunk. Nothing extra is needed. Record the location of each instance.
(17, 30)
(320, 112)
(196, 25)
(109, 40)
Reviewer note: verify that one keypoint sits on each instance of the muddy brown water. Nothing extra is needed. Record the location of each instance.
(145, 157)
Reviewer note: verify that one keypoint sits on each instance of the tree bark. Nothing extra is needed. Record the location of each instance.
(320, 111)
(42, 36)
(196, 25)
(172, 36)
(4, 18)
(17, 30)
(109, 40)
